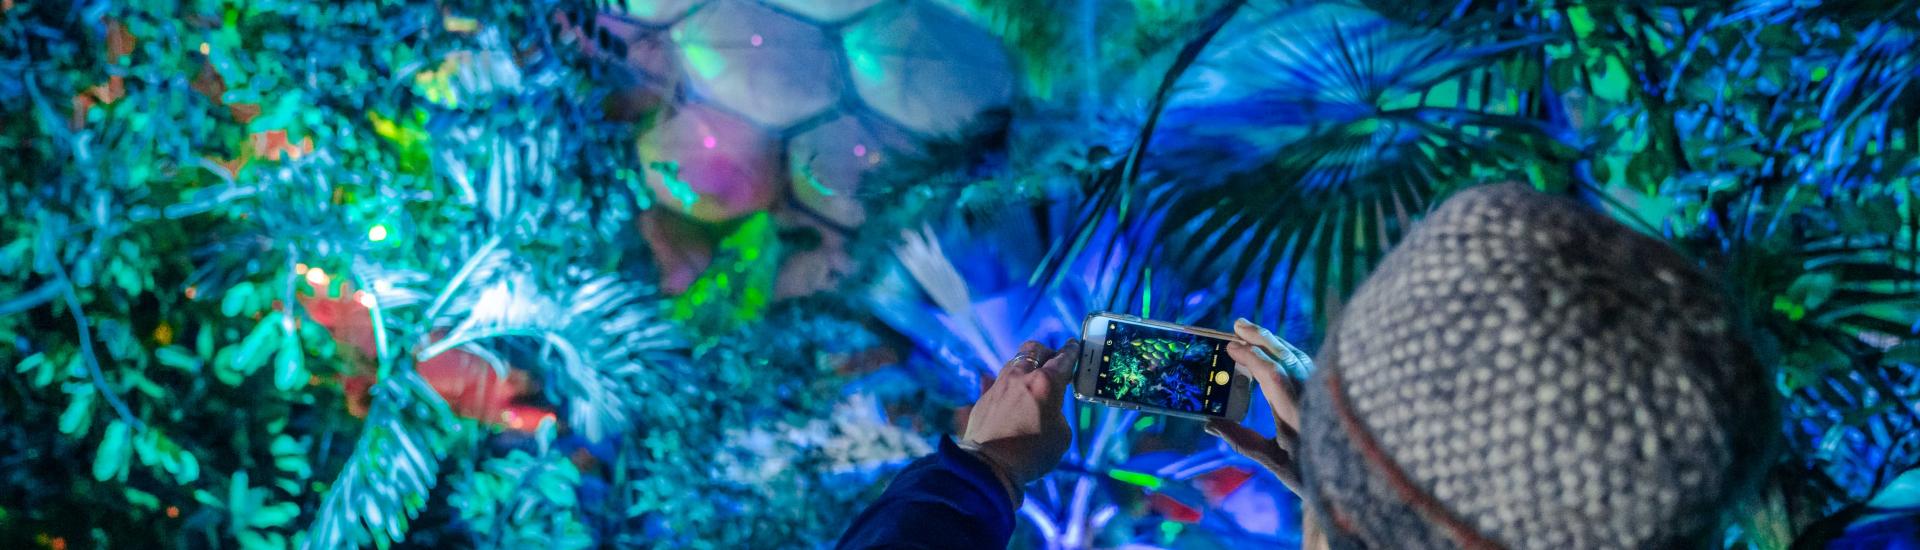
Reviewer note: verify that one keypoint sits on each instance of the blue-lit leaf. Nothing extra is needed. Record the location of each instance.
(110, 459)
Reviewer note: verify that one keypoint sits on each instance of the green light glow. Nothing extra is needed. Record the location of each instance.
(867, 66)
(1170, 530)
(1148, 481)
(744, 270)
(1146, 296)
(704, 60)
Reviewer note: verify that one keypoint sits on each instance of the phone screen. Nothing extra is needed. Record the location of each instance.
(1164, 369)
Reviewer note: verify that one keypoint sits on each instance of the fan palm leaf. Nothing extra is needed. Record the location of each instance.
(1302, 147)
(595, 338)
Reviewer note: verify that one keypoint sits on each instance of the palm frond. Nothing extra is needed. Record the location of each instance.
(619, 331)
(1312, 162)
(920, 253)
(393, 288)
(603, 332)
(394, 465)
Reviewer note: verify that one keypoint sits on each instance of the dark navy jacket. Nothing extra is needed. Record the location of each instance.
(949, 499)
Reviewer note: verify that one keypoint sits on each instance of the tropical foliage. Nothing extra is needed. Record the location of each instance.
(365, 273)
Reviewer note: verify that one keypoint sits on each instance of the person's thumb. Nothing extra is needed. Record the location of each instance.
(1059, 368)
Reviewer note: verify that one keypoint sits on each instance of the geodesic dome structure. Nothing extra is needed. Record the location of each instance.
(790, 105)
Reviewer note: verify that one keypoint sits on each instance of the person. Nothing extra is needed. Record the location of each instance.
(1518, 372)
(965, 494)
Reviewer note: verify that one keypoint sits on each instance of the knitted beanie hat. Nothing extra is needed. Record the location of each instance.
(1523, 372)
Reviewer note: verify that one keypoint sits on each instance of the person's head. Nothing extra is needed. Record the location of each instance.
(1524, 372)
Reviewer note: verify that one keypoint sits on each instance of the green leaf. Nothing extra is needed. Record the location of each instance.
(253, 352)
(43, 369)
(288, 371)
(1580, 20)
(31, 362)
(261, 540)
(235, 302)
(110, 460)
(238, 502)
(189, 467)
(1907, 352)
(76, 419)
(142, 499)
(203, 343)
(1612, 81)
(275, 515)
(1812, 289)
(178, 357)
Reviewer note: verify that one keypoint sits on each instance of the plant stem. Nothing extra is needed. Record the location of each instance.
(93, 360)
(375, 311)
(46, 292)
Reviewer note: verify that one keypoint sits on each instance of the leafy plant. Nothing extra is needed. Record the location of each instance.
(524, 499)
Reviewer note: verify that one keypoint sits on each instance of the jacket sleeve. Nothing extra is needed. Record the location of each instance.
(949, 499)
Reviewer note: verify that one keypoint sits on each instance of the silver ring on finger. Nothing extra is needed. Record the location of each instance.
(1028, 357)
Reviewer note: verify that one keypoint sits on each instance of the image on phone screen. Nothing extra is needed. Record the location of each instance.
(1164, 369)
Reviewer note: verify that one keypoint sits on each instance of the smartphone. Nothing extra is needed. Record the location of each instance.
(1162, 368)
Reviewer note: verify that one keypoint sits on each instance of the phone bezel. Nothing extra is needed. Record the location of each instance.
(1094, 338)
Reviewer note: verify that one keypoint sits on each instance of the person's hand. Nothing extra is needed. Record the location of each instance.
(1278, 367)
(1017, 426)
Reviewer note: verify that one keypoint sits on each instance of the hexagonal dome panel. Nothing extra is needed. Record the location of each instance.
(710, 165)
(772, 68)
(806, 271)
(652, 11)
(926, 68)
(828, 164)
(825, 11)
(646, 49)
(652, 68)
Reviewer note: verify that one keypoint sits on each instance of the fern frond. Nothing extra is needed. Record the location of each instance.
(384, 485)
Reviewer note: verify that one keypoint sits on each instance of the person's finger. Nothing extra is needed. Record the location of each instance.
(1038, 351)
(1012, 368)
(1258, 364)
(1242, 439)
(1060, 368)
(1264, 339)
(1258, 447)
(1049, 383)
(1300, 364)
(1282, 391)
(1031, 355)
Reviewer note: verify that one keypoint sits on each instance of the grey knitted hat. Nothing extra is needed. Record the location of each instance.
(1523, 372)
